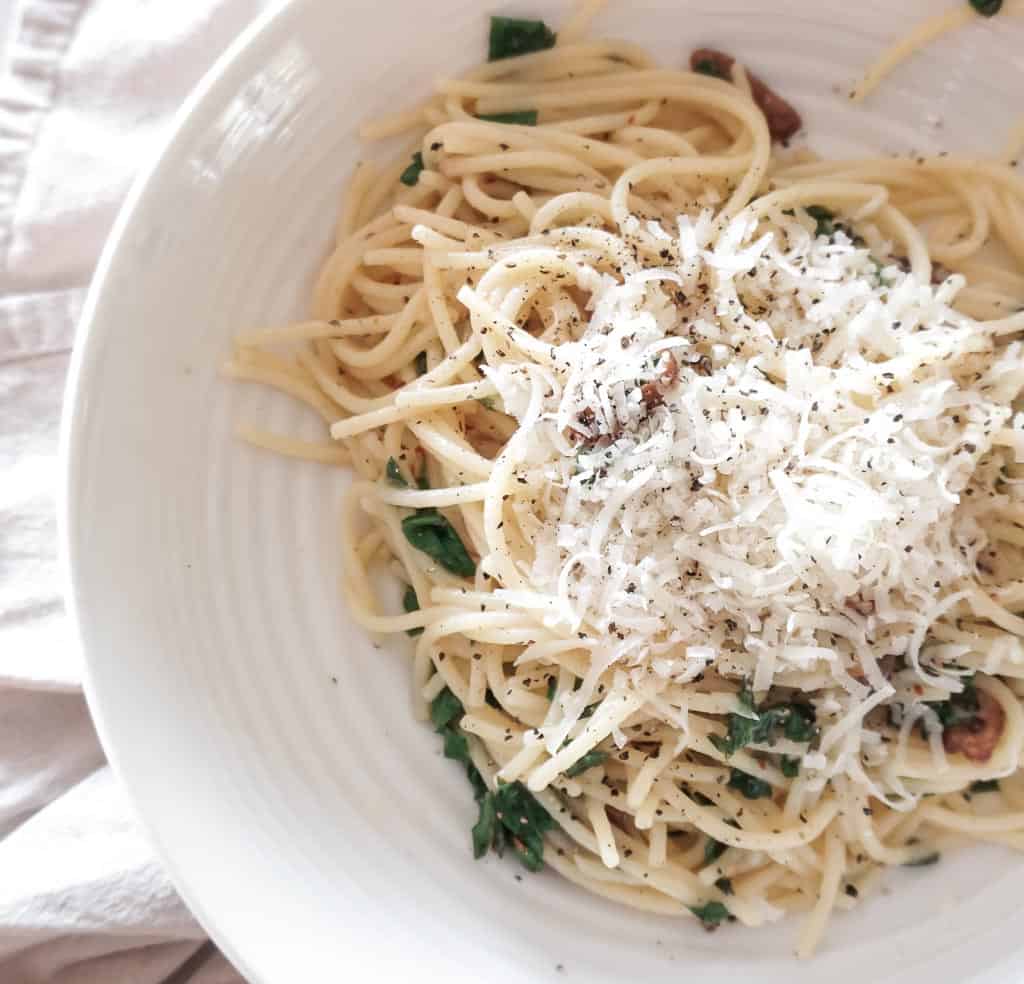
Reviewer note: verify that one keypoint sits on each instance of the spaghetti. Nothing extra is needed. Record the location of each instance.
(698, 463)
(925, 33)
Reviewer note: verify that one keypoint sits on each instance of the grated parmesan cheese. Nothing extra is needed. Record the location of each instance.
(756, 456)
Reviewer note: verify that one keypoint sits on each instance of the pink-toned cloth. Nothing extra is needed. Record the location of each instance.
(90, 88)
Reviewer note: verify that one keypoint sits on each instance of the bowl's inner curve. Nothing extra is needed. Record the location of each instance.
(311, 822)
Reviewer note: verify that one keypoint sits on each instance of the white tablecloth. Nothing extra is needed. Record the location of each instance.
(90, 88)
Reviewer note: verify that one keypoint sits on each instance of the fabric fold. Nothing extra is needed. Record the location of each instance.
(90, 89)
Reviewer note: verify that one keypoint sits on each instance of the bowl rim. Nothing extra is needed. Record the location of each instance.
(230, 61)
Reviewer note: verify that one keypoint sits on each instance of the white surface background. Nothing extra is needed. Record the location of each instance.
(82, 898)
(7, 13)
(86, 92)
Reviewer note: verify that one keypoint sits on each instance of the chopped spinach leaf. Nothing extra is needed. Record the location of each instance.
(711, 913)
(456, 746)
(796, 721)
(509, 814)
(724, 885)
(395, 476)
(767, 721)
(525, 820)
(412, 173)
(446, 712)
(713, 850)
(800, 724)
(430, 531)
(825, 219)
(552, 687)
(985, 786)
(485, 826)
(749, 786)
(488, 833)
(523, 117)
(476, 781)
(501, 838)
(511, 36)
(445, 709)
(741, 733)
(960, 708)
(411, 604)
(923, 861)
(952, 712)
(987, 8)
(790, 766)
(707, 67)
(593, 758)
(421, 364)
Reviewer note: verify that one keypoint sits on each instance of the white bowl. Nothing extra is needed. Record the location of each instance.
(307, 819)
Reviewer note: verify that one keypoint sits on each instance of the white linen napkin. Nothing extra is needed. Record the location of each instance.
(89, 90)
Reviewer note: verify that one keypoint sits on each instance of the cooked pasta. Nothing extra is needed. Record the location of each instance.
(696, 459)
(945, 22)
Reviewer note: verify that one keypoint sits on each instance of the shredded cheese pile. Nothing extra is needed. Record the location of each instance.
(761, 456)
